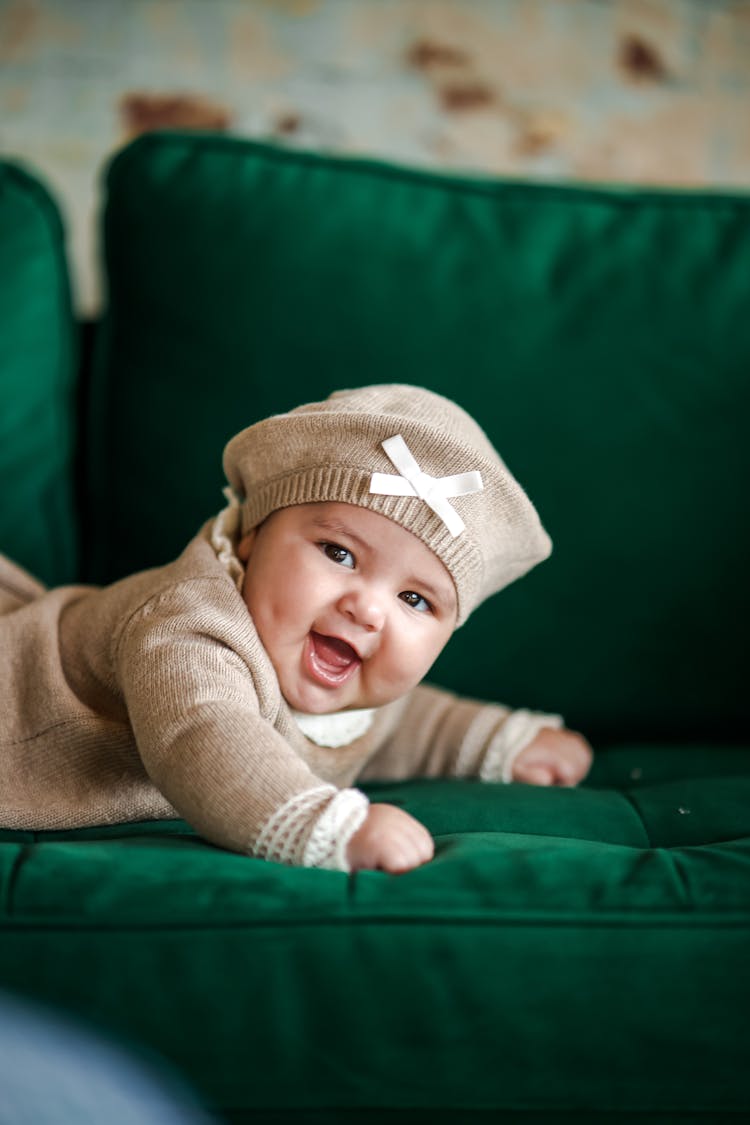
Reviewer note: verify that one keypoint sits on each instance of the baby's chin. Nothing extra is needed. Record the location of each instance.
(317, 703)
(327, 707)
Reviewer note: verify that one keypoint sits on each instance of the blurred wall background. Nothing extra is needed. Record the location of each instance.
(652, 92)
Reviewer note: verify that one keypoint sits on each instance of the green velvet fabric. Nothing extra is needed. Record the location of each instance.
(601, 337)
(37, 368)
(581, 950)
(570, 955)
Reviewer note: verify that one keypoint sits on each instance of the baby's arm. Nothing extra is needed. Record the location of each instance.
(438, 734)
(193, 706)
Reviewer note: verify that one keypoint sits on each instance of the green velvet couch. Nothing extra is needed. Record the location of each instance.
(569, 955)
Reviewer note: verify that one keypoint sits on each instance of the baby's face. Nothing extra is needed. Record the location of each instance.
(351, 608)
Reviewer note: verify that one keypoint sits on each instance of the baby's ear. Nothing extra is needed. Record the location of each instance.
(245, 545)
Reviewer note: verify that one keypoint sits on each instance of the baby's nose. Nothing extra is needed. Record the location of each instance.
(365, 608)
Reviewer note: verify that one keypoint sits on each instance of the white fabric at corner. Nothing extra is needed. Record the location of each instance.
(336, 729)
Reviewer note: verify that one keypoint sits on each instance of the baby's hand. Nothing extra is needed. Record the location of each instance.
(390, 840)
(555, 757)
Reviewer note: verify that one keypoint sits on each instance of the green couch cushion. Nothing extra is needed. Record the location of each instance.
(566, 951)
(37, 369)
(600, 336)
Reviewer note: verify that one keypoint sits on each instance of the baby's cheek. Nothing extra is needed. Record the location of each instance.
(411, 663)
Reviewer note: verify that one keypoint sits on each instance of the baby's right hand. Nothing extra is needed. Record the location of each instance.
(390, 840)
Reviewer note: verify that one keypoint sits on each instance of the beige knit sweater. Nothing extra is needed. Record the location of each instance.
(154, 698)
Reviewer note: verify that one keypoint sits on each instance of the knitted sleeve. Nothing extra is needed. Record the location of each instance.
(439, 734)
(195, 711)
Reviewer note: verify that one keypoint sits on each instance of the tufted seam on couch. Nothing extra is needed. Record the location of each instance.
(633, 804)
(675, 862)
(24, 851)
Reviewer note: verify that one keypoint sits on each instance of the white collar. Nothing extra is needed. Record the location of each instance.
(337, 729)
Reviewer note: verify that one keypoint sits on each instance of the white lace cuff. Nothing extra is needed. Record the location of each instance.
(518, 730)
(286, 836)
(334, 828)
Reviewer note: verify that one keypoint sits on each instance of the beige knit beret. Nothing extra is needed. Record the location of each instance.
(438, 476)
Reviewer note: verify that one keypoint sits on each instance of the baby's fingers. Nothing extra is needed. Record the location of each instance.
(554, 758)
(575, 760)
(534, 773)
(410, 848)
(390, 840)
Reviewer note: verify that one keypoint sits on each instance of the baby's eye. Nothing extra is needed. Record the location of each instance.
(416, 601)
(338, 554)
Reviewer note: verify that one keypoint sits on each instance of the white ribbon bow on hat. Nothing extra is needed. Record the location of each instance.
(435, 491)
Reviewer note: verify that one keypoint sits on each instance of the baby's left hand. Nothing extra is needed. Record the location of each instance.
(555, 757)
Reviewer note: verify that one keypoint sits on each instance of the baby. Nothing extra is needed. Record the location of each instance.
(249, 684)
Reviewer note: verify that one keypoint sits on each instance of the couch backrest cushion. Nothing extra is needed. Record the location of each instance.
(38, 347)
(600, 336)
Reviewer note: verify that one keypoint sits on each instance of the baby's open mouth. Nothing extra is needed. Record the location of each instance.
(330, 660)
